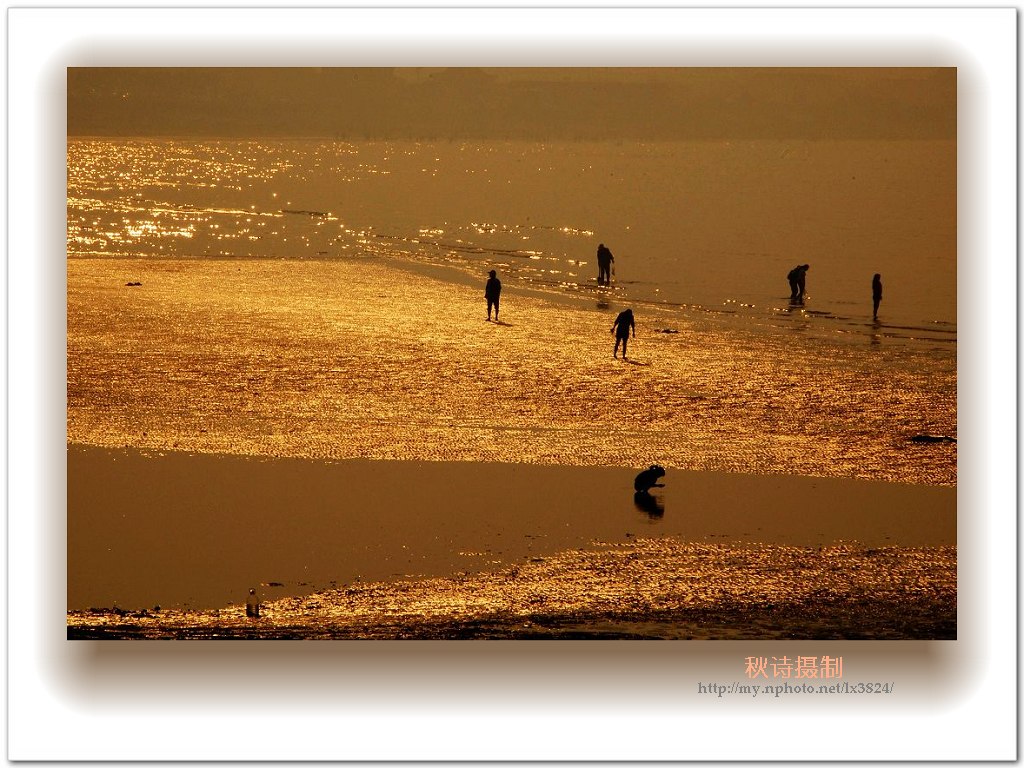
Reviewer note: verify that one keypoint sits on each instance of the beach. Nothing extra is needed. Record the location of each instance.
(355, 441)
(281, 376)
(164, 544)
(362, 358)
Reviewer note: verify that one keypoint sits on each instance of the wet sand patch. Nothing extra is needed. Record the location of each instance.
(192, 530)
(646, 589)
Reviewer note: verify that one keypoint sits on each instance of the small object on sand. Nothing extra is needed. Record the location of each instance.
(131, 285)
(665, 330)
(932, 439)
(252, 605)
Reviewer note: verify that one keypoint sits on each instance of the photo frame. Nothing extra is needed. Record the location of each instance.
(427, 689)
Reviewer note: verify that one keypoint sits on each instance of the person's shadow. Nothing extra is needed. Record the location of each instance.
(652, 505)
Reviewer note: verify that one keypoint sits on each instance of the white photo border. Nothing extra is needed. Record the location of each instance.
(118, 700)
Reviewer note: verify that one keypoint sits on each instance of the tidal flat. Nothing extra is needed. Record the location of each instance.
(646, 589)
(355, 435)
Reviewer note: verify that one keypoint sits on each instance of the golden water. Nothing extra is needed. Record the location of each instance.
(325, 300)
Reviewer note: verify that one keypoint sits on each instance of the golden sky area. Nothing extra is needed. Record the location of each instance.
(528, 103)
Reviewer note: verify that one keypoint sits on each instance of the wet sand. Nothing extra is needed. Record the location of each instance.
(314, 428)
(643, 590)
(354, 359)
(190, 533)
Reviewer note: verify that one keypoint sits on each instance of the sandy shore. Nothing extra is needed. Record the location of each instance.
(343, 359)
(195, 532)
(644, 589)
(335, 427)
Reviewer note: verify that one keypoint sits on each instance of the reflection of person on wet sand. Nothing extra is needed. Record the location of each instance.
(492, 292)
(876, 293)
(652, 505)
(621, 328)
(797, 282)
(604, 265)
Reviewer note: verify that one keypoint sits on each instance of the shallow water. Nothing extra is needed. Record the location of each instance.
(191, 530)
(324, 300)
(268, 323)
(714, 226)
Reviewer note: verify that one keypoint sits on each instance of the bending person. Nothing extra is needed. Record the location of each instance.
(623, 324)
(797, 278)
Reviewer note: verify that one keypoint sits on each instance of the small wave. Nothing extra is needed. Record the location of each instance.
(315, 214)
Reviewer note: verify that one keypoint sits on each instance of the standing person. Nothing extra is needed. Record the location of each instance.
(876, 293)
(492, 292)
(252, 604)
(621, 328)
(604, 264)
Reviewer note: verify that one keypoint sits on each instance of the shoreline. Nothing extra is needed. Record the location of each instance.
(586, 295)
(642, 590)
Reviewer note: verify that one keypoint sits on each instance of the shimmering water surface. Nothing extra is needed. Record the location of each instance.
(324, 300)
(712, 225)
(270, 321)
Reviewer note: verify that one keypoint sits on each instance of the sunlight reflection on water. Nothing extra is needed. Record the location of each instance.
(713, 225)
(335, 359)
(283, 299)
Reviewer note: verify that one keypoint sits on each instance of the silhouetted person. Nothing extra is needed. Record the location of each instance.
(802, 281)
(492, 292)
(876, 294)
(649, 479)
(621, 328)
(643, 483)
(797, 282)
(604, 264)
(252, 605)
